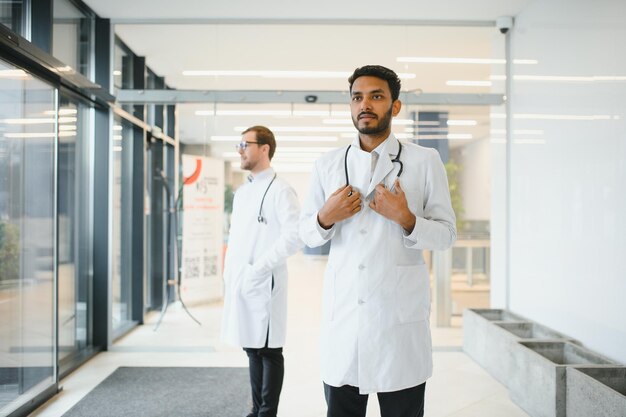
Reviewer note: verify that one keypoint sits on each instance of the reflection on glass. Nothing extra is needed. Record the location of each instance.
(74, 212)
(27, 336)
(121, 227)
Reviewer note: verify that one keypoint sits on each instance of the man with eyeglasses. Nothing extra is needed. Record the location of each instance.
(263, 234)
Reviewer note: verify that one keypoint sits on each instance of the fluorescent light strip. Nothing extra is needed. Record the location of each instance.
(38, 121)
(349, 121)
(460, 122)
(309, 157)
(468, 83)
(243, 113)
(319, 149)
(442, 60)
(67, 127)
(560, 117)
(294, 113)
(277, 74)
(62, 112)
(293, 129)
(13, 74)
(561, 78)
(27, 121)
(314, 113)
(38, 135)
(452, 136)
(280, 138)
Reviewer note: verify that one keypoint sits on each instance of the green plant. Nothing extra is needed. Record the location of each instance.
(9, 251)
(229, 194)
(452, 169)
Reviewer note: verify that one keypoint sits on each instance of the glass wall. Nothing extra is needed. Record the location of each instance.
(156, 257)
(74, 231)
(12, 15)
(27, 237)
(72, 37)
(121, 171)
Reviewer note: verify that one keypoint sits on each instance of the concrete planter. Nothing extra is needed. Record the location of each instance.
(529, 330)
(537, 381)
(507, 363)
(488, 344)
(596, 391)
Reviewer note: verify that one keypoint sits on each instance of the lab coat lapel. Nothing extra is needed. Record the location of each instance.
(358, 167)
(384, 165)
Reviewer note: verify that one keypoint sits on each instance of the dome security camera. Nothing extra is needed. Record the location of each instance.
(504, 23)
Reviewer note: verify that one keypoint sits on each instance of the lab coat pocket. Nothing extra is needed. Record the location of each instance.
(412, 293)
(256, 288)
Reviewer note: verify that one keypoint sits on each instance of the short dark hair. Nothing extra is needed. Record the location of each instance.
(381, 72)
(264, 136)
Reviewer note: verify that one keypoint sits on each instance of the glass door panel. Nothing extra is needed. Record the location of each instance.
(27, 237)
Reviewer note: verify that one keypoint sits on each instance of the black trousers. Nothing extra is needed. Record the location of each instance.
(267, 369)
(346, 401)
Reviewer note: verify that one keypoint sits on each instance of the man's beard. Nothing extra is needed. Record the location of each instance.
(383, 124)
(248, 165)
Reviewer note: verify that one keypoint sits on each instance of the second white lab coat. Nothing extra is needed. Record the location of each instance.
(376, 299)
(256, 261)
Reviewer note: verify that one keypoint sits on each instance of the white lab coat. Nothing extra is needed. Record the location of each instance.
(376, 298)
(256, 253)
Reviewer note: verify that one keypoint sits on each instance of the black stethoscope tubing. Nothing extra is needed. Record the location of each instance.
(394, 160)
(260, 217)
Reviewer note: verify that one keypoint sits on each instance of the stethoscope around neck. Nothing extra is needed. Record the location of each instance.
(260, 217)
(394, 160)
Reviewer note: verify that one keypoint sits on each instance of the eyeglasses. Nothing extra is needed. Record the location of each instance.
(244, 144)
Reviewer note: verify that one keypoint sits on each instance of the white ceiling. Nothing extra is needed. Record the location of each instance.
(425, 10)
(309, 36)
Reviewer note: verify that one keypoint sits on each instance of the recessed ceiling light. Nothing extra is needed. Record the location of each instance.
(446, 60)
(277, 74)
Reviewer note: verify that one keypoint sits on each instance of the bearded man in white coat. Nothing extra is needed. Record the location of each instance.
(263, 234)
(380, 202)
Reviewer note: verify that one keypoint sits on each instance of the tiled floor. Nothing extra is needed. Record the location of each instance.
(458, 388)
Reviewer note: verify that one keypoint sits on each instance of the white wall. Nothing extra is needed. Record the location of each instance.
(568, 192)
